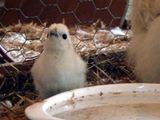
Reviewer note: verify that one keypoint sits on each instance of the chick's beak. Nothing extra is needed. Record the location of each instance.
(52, 34)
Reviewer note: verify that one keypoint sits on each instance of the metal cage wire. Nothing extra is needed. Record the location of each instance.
(23, 29)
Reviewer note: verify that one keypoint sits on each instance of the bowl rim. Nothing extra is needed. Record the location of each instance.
(37, 111)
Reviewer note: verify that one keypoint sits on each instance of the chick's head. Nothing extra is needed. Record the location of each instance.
(58, 38)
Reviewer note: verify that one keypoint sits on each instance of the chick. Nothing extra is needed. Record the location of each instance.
(59, 68)
(145, 46)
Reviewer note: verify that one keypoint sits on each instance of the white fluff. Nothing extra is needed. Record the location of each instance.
(59, 68)
(144, 51)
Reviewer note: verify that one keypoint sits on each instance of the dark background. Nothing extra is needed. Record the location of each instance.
(73, 11)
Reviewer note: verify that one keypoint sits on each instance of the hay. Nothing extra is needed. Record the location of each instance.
(104, 52)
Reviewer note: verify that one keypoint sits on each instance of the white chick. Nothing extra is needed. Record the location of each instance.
(145, 46)
(59, 68)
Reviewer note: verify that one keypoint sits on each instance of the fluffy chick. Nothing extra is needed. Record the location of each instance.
(145, 45)
(59, 68)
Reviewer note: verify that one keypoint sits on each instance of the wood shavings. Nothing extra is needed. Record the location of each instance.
(31, 30)
(84, 35)
(103, 38)
(18, 48)
(87, 41)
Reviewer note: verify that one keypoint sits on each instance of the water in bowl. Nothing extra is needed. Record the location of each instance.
(115, 112)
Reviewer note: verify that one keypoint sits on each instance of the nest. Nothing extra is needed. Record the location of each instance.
(103, 49)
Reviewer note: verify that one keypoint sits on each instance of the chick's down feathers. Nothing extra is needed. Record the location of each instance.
(145, 45)
(59, 68)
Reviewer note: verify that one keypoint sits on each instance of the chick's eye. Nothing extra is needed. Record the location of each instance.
(64, 36)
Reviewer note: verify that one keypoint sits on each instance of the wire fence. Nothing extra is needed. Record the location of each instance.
(98, 43)
(95, 28)
(74, 11)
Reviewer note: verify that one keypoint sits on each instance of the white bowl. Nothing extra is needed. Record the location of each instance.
(107, 102)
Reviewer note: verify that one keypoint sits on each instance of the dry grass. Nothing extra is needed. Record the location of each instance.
(106, 65)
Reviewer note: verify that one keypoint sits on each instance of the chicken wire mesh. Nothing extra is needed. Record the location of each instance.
(95, 28)
(73, 11)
